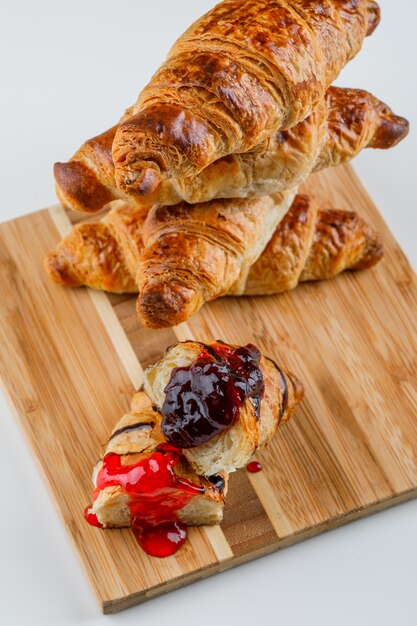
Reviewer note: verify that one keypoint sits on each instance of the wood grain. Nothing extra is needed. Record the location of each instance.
(70, 359)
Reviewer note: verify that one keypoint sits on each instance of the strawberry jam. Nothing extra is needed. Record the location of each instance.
(254, 467)
(163, 540)
(155, 493)
(205, 398)
(92, 518)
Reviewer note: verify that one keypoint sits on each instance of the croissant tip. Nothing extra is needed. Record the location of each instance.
(298, 389)
(78, 188)
(165, 305)
(373, 250)
(141, 183)
(374, 16)
(59, 270)
(391, 130)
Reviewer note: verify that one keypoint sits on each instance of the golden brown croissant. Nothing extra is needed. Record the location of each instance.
(167, 461)
(308, 244)
(243, 71)
(191, 382)
(312, 244)
(226, 236)
(344, 123)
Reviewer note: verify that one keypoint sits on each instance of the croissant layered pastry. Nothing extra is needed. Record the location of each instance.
(343, 123)
(220, 403)
(224, 238)
(174, 251)
(204, 411)
(245, 70)
(135, 438)
(144, 483)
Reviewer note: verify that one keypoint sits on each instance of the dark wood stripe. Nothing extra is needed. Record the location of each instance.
(148, 345)
(246, 525)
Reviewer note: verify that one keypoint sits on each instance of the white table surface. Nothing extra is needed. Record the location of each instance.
(68, 70)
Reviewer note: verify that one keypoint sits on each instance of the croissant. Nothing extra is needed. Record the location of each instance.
(168, 255)
(344, 123)
(245, 70)
(144, 483)
(220, 403)
(166, 464)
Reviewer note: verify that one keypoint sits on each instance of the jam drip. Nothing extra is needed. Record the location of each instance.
(254, 467)
(205, 398)
(92, 518)
(155, 493)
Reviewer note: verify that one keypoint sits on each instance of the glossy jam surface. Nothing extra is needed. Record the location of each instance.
(205, 398)
(161, 541)
(254, 467)
(155, 493)
(91, 518)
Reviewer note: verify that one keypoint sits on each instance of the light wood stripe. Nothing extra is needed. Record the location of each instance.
(270, 503)
(106, 312)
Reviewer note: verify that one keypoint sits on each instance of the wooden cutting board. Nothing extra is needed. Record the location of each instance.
(70, 360)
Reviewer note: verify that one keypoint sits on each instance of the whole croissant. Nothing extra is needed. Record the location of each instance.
(223, 237)
(243, 71)
(344, 123)
(178, 262)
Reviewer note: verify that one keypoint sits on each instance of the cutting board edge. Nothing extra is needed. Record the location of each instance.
(117, 605)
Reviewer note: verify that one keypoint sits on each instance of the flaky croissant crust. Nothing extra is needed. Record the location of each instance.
(234, 447)
(176, 276)
(135, 437)
(243, 71)
(344, 123)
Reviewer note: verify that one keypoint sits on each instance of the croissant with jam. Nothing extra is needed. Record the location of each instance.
(145, 483)
(220, 403)
(182, 256)
(245, 70)
(345, 122)
(204, 412)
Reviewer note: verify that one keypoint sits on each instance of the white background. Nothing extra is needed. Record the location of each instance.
(68, 70)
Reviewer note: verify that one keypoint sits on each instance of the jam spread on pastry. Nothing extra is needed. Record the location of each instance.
(92, 518)
(204, 398)
(155, 493)
(202, 413)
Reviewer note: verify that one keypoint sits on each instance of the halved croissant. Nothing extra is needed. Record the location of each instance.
(344, 123)
(188, 417)
(174, 251)
(137, 439)
(240, 73)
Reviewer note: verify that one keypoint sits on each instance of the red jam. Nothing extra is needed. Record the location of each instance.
(161, 541)
(91, 518)
(254, 467)
(205, 398)
(155, 492)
